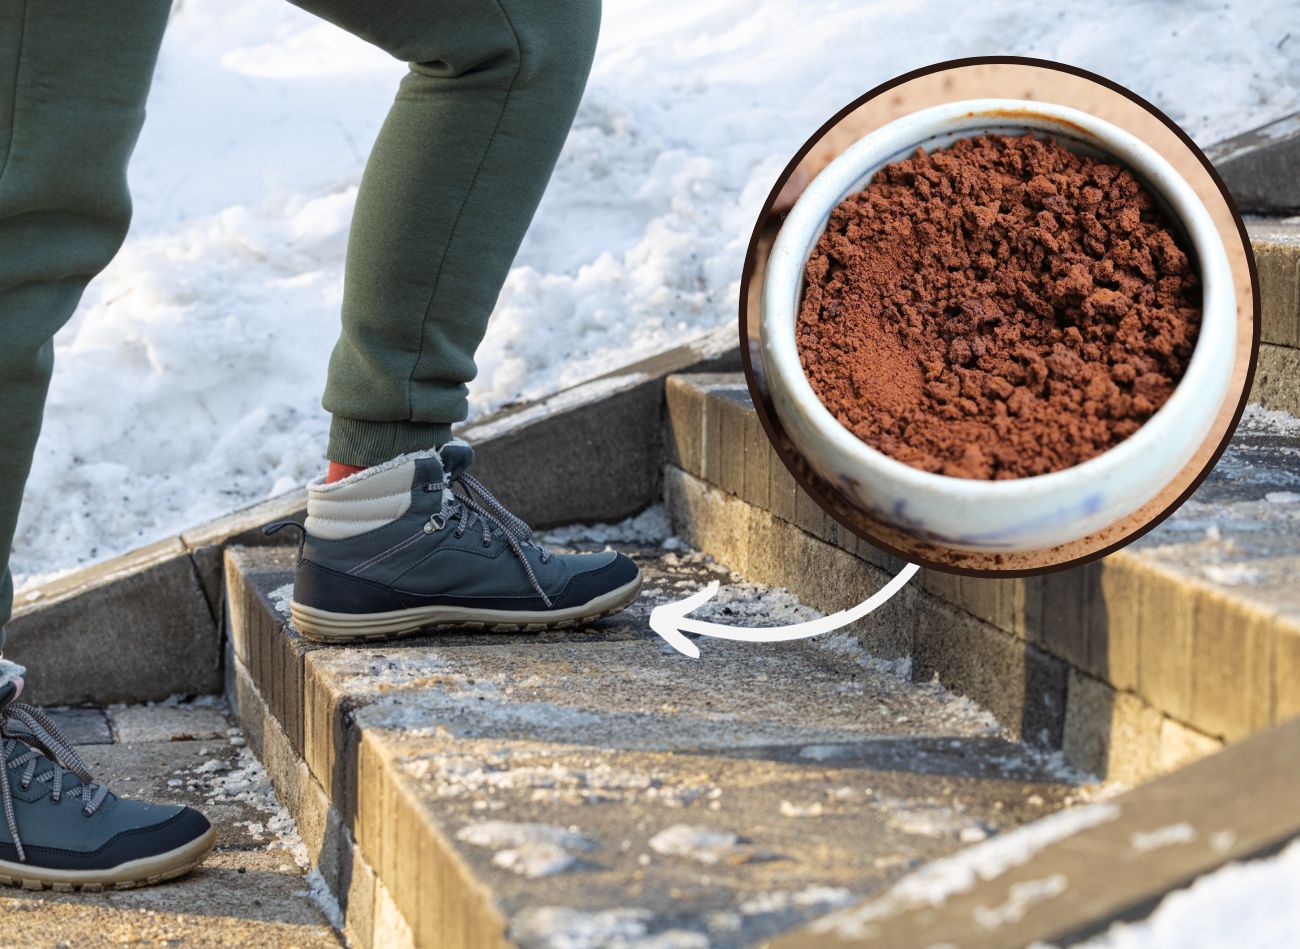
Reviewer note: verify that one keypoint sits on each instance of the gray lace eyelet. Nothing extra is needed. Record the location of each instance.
(436, 523)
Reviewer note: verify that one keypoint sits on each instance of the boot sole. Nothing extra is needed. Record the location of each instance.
(125, 876)
(322, 626)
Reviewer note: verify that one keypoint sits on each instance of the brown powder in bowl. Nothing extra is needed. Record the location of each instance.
(999, 308)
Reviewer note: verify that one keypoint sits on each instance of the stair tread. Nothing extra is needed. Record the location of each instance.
(836, 773)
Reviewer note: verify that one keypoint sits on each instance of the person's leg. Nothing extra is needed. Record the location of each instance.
(451, 186)
(73, 80)
(454, 179)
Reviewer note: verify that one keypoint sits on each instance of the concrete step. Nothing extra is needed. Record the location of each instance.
(1276, 246)
(1073, 875)
(586, 787)
(1259, 167)
(251, 891)
(1132, 665)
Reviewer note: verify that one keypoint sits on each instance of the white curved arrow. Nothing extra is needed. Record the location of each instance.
(670, 620)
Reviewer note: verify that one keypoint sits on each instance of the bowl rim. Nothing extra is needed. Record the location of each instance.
(843, 177)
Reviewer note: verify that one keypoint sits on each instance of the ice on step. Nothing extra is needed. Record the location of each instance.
(548, 926)
(533, 851)
(705, 844)
(1173, 834)
(1020, 898)
(934, 883)
(280, 598)
(535, 859)
(498, 834)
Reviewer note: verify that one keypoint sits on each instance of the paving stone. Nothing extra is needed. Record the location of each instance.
(1166, 617)
(1276, 246)
(759, 459)
(180, 722)
(1286, 680)
(685, 442)
(1232, 661)
(783, 492)
(1023, 686)
(1111, 732)
(1180, 746)
(82, 726)
(1277, 379)
(1259, 166)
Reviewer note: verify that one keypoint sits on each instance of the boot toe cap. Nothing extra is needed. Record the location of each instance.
(615, 572)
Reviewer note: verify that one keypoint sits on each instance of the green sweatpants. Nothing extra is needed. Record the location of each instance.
(452, 183)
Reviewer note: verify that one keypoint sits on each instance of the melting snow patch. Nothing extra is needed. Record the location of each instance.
(705, 844)
(280, 598)
(848, 646)
(1241, 904)
(650, 527)
(531, 850)
(828, 752)
(558, 927)
(934, 883)
(817, 897)
(1163, 837)
(1232, 574)
(1019, 899)
(929, 820)
(535, 859)
(498, 834)
(1282, 497)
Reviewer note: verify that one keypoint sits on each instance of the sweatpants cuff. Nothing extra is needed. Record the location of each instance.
(357, 442)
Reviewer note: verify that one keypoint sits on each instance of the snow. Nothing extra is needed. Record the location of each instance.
(281, 597)
(498, 834)
(1020, 898)
(650, 527)
(1167, 836)
(935, 882)
(531, 850)
(1239, 904)
(535, 859)
(189, 379)
(703, 844)
(558, 927)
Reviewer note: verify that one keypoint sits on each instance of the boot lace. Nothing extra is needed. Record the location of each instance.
(29, 738)
(476, 507)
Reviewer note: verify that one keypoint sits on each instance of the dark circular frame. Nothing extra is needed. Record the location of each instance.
(824, 494)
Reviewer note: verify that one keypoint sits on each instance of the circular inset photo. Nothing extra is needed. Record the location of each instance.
(1000, 316)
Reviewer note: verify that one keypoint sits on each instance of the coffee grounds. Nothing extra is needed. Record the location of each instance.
(999, 308)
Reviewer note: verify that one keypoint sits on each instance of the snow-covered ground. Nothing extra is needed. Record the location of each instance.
(188, 382)
(1248, 904)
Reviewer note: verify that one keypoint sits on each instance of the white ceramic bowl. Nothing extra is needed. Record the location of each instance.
(1023, 513)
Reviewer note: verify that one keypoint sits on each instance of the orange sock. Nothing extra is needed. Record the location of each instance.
(339, 471)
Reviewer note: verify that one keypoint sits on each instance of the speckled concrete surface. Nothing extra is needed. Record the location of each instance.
(601, 783)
